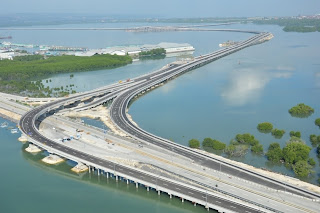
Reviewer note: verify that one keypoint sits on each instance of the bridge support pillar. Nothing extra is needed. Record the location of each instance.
(182, 200)
(127, 181)
(158, 192)
(194, 204)
(107, 173)
(98, 170)
(137, 185)
(89, 169)
(170, 195)
(147, 188)
(116, 177)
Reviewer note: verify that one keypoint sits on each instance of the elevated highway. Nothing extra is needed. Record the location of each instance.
(122, 95)
(119, 116)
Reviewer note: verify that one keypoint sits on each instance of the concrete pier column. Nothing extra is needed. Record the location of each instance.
(137, 185)
(127, 181)
(170, 195)
(158, 192)
(89, 169)
(207, 207)
(194, 204)
(116, 177)
(98, 170)
(182, 200)
(147, 188)
(107, 174)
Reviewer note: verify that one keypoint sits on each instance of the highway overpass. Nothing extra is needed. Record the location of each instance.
(122, 94)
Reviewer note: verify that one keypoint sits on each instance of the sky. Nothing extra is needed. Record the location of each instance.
(165, 8)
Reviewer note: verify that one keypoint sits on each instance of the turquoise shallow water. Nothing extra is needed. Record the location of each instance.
(219, 100)
(28, 185)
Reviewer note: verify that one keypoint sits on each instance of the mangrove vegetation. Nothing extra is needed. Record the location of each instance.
(194, 143)
(265, 127)
(278, 133)
(274, 152)
(295, 134)
(295, 154)
(153, 52)
(18, 75)
(214, 144)
(315, 140)
(317, 122)
(301, 111)
(240, 145)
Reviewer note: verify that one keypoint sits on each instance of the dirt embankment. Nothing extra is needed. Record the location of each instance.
(9, 115)
(99, 112)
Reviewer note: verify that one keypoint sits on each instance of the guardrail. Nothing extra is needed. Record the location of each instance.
(169, 191)
(125, 103)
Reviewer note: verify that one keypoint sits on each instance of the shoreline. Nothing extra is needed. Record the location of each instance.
(94, 114)
(102, 113)
(11, 116)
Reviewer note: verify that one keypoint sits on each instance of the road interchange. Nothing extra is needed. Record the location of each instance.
(122, 96)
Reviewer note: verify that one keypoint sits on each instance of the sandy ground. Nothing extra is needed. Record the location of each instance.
(99, 112)
(102, 113)
(32, 149)
(10, 114)
(130, 119)
(23, 139)
(80, 168)
(52, 159)
(280, 177)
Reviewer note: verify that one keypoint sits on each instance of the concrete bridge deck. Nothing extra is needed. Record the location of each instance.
(118, 114)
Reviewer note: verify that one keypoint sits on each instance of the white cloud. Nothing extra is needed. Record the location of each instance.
(246, 85)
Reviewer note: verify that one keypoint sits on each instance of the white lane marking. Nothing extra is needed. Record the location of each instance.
(178, 189)
(165, 184)
(190, 193)
(233, 207)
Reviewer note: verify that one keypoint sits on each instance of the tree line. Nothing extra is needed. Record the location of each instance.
(18, 75)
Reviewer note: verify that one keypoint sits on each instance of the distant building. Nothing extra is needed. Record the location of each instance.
(6, 55)
(118, 52)
(134, 52)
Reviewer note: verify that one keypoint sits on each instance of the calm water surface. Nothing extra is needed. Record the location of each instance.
(28, 185)
(224, 98)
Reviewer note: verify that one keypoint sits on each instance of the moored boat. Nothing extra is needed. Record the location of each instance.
(4, 125)
(13, 131)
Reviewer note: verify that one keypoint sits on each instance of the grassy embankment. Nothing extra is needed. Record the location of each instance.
(18, 76)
